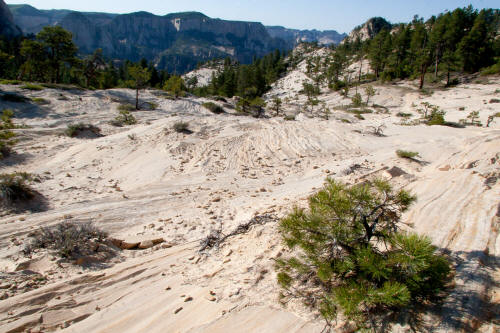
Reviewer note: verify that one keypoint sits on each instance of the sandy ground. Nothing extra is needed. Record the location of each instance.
(147, 181)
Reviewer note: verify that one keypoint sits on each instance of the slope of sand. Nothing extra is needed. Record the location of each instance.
(147, 181)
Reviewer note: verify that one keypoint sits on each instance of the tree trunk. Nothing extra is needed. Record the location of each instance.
(422, 76)
(137, 98)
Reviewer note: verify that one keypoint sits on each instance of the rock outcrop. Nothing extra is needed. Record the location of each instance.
(294, 36)
(176, 42)
(369, 29)
(7, 25)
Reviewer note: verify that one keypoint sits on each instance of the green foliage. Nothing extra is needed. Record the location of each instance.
(370, 92)
(356, 100)
(212, 107)
(175, 85)
(276, 105)
(126, 107)
(31, 86)
(407, 154)
(40, 101)
(75, 130)
(7, 137)
(15, 188)
(344, 120)
(141, 76)
(436, 118)
(403, 115)
(124, 118)
(348, 255)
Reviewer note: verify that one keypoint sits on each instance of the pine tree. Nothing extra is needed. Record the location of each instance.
(351, 258)
(141, 77)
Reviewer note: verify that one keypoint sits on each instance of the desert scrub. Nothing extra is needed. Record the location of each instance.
(289, 117)
(75, 130)
(68, 240)
(406, 154)
(31, 86)
(212, 107)
(126, 107)
(344, 120)
(124, 118)
(347, 255)
(15, 188)
(182, 127)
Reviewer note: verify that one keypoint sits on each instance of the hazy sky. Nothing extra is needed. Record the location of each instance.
(340, 15)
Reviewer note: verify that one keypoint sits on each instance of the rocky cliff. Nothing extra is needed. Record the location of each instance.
(294, 36)
(176, 42)
(369, 29)
(7, 25)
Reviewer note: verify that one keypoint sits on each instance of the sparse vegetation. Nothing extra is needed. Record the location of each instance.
(77, 129)
(124, 118)
(7, 137)
(212, 107)
(40, 101)
(357, 100)
(32, 86)
(182, 127)
(126, 107)
(404, 115)
(350, 258)
(289, 117)
(15, 188)
(407, 154)
(69, 240)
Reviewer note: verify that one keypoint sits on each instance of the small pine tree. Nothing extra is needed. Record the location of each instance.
(141, 77)
(349, 257)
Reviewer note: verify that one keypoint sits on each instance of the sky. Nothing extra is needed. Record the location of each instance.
(340, 15)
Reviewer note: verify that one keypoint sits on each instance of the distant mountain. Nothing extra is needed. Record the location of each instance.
(176, 41)
(369, 29)
(7, 25)
(294, 36)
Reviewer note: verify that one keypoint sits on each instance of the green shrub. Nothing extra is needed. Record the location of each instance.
(126, 107)
(152, 105)
(344, 120)
(75, 130)
(492, 70)
(11, 82)
(6, 136)
(404, 115)
(31, 86)
(15, 188)
(212, 107)
(68, 240)
(181, 127)
(40, 101)
(124, 118)
(357, 100)
(351, 257)
(494, 100)
(407, 154)
(436, 118)
(289, 117)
